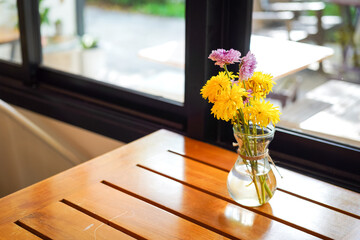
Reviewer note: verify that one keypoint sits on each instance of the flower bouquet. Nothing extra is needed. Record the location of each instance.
(240, 99)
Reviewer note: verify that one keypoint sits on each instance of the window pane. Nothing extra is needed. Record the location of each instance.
(9, 32)
(317, 65)
(134, 44)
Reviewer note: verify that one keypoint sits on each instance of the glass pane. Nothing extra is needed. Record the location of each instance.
(313, 50)
(10, 49)
(133, 44)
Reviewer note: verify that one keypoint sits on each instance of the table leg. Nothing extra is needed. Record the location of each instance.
(347, 40)
(13, 50)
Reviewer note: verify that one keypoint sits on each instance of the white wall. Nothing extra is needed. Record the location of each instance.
(85, 144)
(26, 159)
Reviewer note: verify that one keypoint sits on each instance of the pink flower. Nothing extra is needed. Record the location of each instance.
(246, 100)
(247, 66)
(233, 81)
(222, 57)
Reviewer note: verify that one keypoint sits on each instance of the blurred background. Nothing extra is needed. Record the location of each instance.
(139, 44)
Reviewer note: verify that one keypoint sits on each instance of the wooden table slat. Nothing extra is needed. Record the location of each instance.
(136, 215)
(214, 180)
(39, 195)
(59, 221)
(188, 195)
(15, 232)
(292, 182)
(217, 215)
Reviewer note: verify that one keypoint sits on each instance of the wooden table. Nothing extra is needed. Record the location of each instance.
(320, 110)
(9, 36)
(277, 57)
(166, 186)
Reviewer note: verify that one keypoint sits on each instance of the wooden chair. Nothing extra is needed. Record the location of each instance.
(286, 91)
(263, 20)
(298, 9)
(282, 17)
(315, 26)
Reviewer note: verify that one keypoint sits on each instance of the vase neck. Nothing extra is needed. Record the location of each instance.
(257, 157)
(253, 145)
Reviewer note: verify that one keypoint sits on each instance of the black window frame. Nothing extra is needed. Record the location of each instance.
(126, 115)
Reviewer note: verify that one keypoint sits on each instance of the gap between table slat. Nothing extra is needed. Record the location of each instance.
(101, 219)
(11, 230)
(280, 189)
(198, 160)
(109, 184)
(32, 230)
(235, 203)
(321, 204)
(136, 215)
(33, 227)
(218, 214)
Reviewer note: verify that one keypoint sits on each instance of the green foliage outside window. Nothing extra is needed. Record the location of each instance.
(131, 2)
(172, 8)
(44, 13)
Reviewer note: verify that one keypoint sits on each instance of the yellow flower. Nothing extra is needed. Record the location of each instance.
(229, 103)
(216, 86)
(262, 113)
(260, 84)
(246, 113)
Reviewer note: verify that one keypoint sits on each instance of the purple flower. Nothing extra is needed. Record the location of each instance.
(247, 66)
(233, 81)
(246, 99)
(222, 57)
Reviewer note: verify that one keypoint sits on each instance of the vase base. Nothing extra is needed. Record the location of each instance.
(248, 190)
(249, 202)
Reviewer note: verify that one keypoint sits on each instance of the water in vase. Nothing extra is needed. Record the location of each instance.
(248, 191)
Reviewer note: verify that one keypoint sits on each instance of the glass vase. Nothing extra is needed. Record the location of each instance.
(251, 181)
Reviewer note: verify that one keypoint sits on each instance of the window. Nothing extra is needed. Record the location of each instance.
(137, 45)
(125, 112)
(321, 95)
(320, 98)
(9, 32)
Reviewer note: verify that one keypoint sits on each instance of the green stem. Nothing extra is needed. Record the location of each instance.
(266, 186)
(256, 186)
(261, 195)
(255, 145)
(263, 187)
(268, 190)
(227, 72)
(244, 132)
(244, 84)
